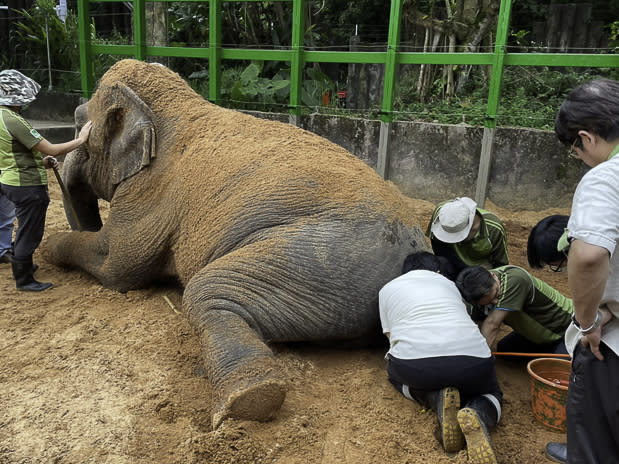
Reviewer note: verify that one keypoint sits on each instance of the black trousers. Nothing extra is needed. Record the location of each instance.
(30, 209)
(593, 408)
(472, 376)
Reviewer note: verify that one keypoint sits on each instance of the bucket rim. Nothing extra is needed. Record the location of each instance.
(542, 379)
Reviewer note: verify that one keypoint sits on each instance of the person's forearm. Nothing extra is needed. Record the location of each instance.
(57, 149)
(588, 267)
(490, 332)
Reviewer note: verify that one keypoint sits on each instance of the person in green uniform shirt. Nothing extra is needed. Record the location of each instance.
(538, 314)
(23, 179)
(467, 235)
(548, 244)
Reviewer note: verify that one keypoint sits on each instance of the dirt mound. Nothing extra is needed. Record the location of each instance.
(92, 375)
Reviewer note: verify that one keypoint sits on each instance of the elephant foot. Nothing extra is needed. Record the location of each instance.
(258, 401)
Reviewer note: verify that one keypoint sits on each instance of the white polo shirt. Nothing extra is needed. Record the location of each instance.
(595, 220)
(426, 317)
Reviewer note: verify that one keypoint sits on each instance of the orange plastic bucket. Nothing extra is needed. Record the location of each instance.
(549, 381)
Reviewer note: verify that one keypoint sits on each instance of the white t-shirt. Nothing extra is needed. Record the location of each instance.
(425, 316)
(595, 220)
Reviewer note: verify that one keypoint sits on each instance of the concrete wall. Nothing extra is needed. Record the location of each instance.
(530, 169)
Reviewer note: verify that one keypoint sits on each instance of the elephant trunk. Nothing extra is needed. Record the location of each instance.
(82, 197)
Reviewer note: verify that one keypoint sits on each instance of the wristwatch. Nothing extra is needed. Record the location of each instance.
(591, 328)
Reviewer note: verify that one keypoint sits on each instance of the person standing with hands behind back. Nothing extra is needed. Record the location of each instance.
(588, 123)
(22, 171)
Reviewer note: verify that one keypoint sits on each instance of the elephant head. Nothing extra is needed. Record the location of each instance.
(121, 144)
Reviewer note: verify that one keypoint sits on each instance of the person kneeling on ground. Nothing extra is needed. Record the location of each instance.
(538, 314)
(547, 244)
(438, 357)
(467, 235)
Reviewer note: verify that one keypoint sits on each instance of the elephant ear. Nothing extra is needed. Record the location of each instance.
(129, 132)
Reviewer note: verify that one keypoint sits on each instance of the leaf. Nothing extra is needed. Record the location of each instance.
(280, 84)
(199, 74)
(250, 73)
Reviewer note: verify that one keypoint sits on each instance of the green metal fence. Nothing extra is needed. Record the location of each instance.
(298, 57)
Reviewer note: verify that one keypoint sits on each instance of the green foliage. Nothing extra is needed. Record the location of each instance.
(530, 97)
(245, 88)
(251, 88)
(41, 23)
(614, 36)
(316, 87)
(248, 88)
(188, 24)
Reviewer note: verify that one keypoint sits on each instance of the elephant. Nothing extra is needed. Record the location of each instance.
(274, 233)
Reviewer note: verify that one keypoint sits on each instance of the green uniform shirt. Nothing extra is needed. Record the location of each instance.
(537, 311)
(488, 248)
(20, 165)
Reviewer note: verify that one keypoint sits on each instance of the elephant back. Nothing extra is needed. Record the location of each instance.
(232, 175)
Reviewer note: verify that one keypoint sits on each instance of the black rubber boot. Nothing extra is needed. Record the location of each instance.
(475, 420)
(557, 452)
(24, 280)
(8, 258)
(446, 403)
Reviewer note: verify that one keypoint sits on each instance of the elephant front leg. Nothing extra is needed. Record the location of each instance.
(77, 249)
(115, 269)
(241, 368)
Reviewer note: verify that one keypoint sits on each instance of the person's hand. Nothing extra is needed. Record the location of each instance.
(85, 132)
(592, 341)
(50, 162)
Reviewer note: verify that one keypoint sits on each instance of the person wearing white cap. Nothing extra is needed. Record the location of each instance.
(468, 235)
(23, 180)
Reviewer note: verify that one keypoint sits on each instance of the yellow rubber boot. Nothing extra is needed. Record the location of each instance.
(448, 406)
(478, 443)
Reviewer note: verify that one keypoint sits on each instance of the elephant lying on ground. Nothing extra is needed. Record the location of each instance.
(275, 233)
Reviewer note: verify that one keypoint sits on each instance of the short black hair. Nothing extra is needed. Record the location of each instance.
(474, 283)
(543, 240)
(592, 106)
(430, 262)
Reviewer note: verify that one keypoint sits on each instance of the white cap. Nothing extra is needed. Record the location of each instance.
(454, 220)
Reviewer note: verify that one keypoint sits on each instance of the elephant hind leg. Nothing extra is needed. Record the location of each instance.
(240, 366)
(257, 400)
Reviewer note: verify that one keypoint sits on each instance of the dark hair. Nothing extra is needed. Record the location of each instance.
(427, 261)
(592, 106)
(474, 283)
(543, 240)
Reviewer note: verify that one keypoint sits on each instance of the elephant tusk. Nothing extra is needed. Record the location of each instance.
(67, 197)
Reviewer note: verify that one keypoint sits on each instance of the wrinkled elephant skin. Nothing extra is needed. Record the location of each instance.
(276, 234)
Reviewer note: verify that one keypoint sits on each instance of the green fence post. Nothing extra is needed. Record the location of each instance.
(86, 71)
(494, 94)
(139, 32)
(391, 67)
(297, 60)
(214, 52)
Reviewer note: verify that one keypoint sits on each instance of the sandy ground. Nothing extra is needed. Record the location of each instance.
(89, 375)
